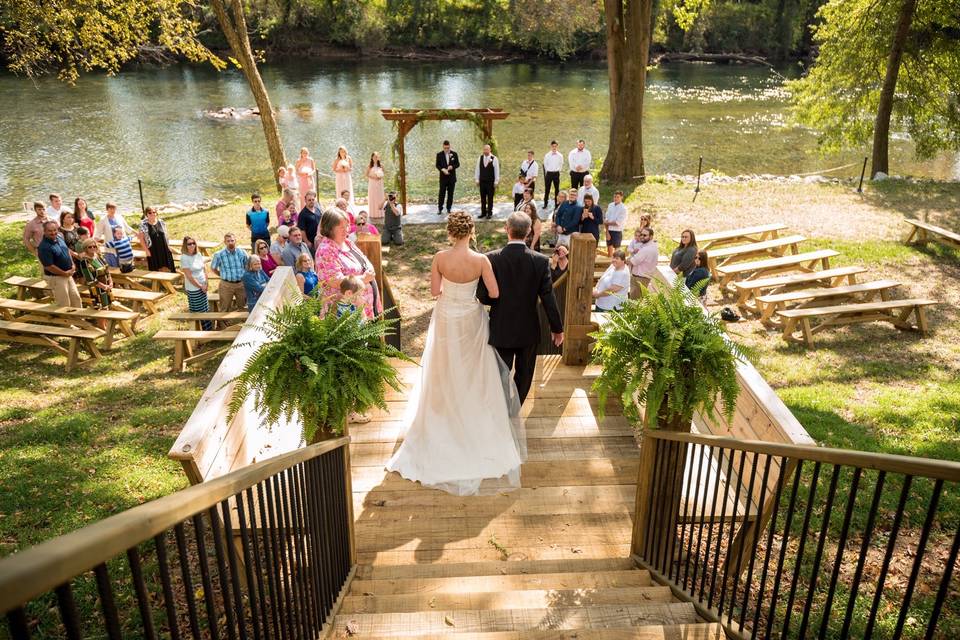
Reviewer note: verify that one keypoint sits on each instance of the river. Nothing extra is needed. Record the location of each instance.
(98, 138)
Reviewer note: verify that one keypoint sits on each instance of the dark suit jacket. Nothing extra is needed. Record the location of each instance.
(523, 276)
(442, 164)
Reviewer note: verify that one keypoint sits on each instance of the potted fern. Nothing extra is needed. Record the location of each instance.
(319, 366)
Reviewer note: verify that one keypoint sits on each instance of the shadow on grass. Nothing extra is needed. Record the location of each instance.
(935, 202)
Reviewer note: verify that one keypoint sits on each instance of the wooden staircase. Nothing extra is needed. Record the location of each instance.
(550, 560)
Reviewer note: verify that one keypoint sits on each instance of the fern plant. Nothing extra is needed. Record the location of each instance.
(318, 366)
(663, 352)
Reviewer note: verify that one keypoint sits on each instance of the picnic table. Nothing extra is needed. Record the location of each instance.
(760, 268)
(50, 337)
(123, 323)
(814, 320)
(756, 233)
(774, 247)
(161, 281)
(925, 232)
(770, 304)
(747, 290)
(137, 300)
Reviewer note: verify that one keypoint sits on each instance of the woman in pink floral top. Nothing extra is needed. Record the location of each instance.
(337, 258)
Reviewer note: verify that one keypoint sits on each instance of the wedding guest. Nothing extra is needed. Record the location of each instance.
(95, 274)
(343, 172)
(559, 261)
(529, 170)
(306, 168)
(308, 219)
(153, 238)
(82, 236)
(108, 222)
(392, 221)
(194, 270)
(71, 234)
(533, 237)
(487, 177)
(345, 204)
(33, 230)
(286, 209)
(643, 257)
(267, 263)
(591, 218)
(306, 276)
(645, 221)
(120, 250)
(699, 276)
(282, 179)
(338, 258)
(615, 219)
(351, 295)
(683, 257)
(230, 263)
(295, 247)
(567, 216)
(588, 188)
(552, 166)
(254, 281)
(258, 220)
(277, 246)
(362, 226)
(579, 161)
(83, 216)
(518, 188)
(526, 199)
(447, 164)
(614, 284)
(55, 208)
(375, 192)
(58, 266)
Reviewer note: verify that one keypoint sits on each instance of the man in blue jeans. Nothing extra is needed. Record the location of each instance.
(258, 221)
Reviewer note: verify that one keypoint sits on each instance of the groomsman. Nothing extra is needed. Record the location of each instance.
(552, 165)
(529, 169)
(487, 177)
(447, 164)
(579, 160)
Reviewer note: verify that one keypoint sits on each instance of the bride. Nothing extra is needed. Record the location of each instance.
(464, 434)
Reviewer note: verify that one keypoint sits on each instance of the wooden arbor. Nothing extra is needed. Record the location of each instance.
(407, 119)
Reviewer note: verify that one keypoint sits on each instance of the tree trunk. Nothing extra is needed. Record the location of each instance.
(881, 128)
(234, 27)
(628, 50)
(782, 30)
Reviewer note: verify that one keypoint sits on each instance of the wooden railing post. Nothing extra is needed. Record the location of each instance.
(370, 246)
(576, 323)
(644, 483)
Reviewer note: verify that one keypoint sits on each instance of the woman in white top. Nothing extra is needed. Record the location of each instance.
(614, 285)
(105, 225)
(194, 271)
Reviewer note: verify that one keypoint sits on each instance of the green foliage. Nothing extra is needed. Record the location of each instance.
(318, 366)
(663, 352)
(840, 95)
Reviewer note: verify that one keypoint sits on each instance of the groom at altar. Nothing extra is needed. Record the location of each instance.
(447, 164)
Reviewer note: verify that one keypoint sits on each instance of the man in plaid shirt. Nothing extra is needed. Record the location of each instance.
(230, 263)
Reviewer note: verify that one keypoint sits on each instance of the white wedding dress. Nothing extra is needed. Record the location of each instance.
(464, 434)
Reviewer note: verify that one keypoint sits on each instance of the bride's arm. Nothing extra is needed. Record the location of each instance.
(489, 281)
(435, 278)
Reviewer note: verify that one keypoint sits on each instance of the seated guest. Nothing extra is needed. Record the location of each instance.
(683, 257)
(294, 248)
(286, 209)
(121, 251)
(58, 266)
(699, 276)
(351, 295)
(267, 263)
(588, 189)
(643, 258)
(33, 230)
(230, 263)
(614, 284)
(518, 188)
(344, 205)
(258, 221)
(309, 218)
(254, 281)
(567, 216)
(96, 275)
(614, 219)
(194, 270)
(154, 240)
(533, 237)
(104, 229)
(362, 226)
(83, 216)
(559, 261)
(279, 243)
(306, 276)
(591, 218)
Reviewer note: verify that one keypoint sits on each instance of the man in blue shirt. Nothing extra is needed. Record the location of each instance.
(567, 216)
(258, 221)
(592, 217)
(309, 218)
(230, 263)
(58, 266)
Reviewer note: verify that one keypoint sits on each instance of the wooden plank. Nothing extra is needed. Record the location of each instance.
(736, 234)
(168, 334)
(741, 268)
(47, 330)
(410, 554)
(493, 583)
(701, 631)
(371, 572)
(882, 305)
(551, 427)
(944, 234)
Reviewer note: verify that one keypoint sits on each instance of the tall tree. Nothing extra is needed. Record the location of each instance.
(881, 127)
(628, 50)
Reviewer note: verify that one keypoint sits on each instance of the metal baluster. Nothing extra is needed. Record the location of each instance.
(723, 516)
(708, 455)
(311, 518)
(762, 588)
(198, 534)
(143, 599)
(783, 547)
(294, 541)
(888, 556)
(944, 587)
(331, 533)
(163, 568)
(738, 567)
(17, 623)
(68, 611)
(316, 492)
(254, 586)
(918, 559)
(748, 584)
(670, 517)
(713, 516)
(733, 528)
(306, 566)
(184, 560)
(798, 561)
(818, 556)
(686, 490)
(272, 564)
(226, 589)
(864, 548)
(290, 553)
(344, 507)
(656, 489)
(841, 548)
(279, 560)
(231, 560)
(693, 515)
(107, 604)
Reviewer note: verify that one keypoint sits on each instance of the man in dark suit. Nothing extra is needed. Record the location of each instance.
(447, 164)
(523, 277)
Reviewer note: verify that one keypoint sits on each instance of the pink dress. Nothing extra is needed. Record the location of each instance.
(305, 178)
(375, 193)
(334, 263)
(344, 181)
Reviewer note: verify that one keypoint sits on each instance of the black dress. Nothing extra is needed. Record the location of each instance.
(160, 257)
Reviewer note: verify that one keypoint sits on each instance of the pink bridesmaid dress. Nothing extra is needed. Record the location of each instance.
(305, 172)
(344, 181)
(375, 193)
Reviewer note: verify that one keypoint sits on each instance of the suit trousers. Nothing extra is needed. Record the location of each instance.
(576, 179)
(551, 178)
(487, 190)
(446, 192)
(523, 361)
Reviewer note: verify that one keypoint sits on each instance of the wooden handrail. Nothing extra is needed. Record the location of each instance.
(30, 573)
(891, 463)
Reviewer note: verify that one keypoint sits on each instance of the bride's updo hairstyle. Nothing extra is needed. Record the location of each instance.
(459, 225)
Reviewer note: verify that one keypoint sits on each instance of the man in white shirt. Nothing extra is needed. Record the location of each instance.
(552, 165)
(55, 208)
(615, 219)
(644, 255)
(487, 177)
(579, 160)
(588, 188)
(529, 170)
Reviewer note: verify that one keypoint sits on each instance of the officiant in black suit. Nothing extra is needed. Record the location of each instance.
(447, 164)
(523, 277)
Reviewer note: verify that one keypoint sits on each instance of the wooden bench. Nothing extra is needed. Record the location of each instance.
(923, 231)
(221, 317)
(48, 336)
(123, 323)
(756, 233)
(36, 287)
(747, 290)
(773, 247)
(824, 296)
(162, 281)
(759, 268)
(132, 298)
(896, 312)
(186, 345)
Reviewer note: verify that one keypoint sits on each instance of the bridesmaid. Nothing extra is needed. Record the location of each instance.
(306, 167)
(343, 170)
(375, 193)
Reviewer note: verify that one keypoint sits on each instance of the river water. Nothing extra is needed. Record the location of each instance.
(98, 138)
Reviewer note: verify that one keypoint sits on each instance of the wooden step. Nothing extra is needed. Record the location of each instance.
(491, 583)
(545, 407)
(411, 553)
(557, 617)
(524, 599)
(702, 631)
(393, 572)
(556, 427)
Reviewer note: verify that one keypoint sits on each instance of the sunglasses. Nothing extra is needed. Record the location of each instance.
(191, 244)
